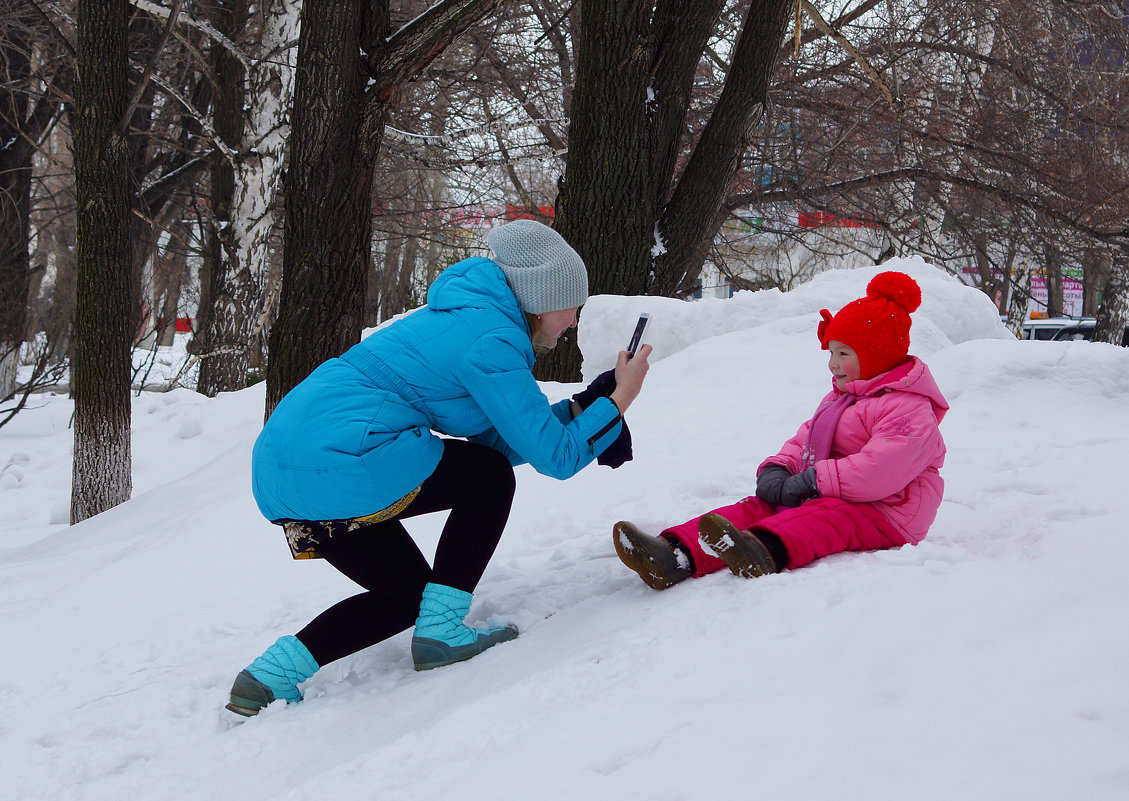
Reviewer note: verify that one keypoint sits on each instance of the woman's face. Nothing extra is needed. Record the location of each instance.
(843, 364)
(553, 324)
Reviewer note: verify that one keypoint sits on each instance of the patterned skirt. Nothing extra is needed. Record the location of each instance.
(304, 536)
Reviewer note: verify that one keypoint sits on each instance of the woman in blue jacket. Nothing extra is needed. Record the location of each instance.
(352, 450)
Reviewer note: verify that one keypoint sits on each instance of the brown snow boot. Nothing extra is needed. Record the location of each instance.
(741, 550)
(655, 559)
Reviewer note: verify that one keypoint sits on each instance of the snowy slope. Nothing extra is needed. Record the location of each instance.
(986, 663)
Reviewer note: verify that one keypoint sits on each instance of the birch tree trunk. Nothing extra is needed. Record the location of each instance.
(101, 366)
(1020, 293)
(252, 111)
(1113, 314)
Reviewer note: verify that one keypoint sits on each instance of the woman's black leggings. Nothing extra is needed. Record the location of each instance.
(477, 484)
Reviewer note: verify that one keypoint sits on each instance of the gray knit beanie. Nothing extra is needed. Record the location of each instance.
(542, 270)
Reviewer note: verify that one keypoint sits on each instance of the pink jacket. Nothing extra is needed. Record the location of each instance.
(886, 450)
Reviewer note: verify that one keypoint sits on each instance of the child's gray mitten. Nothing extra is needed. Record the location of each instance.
(769, 483)
(799, 488)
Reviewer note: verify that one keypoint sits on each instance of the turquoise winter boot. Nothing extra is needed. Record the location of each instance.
(276, 674)
(441, 637)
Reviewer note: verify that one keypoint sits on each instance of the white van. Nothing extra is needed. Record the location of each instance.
(1065, 328)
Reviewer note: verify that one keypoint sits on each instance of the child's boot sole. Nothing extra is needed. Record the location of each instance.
(741, 551)
(659, 569)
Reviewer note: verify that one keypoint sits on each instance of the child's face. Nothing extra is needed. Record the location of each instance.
(844, 364)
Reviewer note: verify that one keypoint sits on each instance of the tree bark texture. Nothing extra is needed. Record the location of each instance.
(251, 115)
(639, 210)
(334, 142)
(101, 366)
(605, 209)
(635, 66)
(349, 68)
(22, 123)
(230, 290)
(1113, 314)
(694, 213)
(15, 208)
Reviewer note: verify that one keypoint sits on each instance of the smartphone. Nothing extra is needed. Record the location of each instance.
(637, 337)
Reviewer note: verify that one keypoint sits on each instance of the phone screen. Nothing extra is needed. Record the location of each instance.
(637, 336)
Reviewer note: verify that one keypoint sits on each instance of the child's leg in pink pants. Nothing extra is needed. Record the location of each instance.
(823, 526)
(742, 514)
(819, 527)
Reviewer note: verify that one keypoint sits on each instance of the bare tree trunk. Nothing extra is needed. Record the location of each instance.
(101, 367)
(231, 288)
(640, 225)
(381, 282)
(1020, 293)
(328, 194)
(251, 115)
(1113, 314)
(605, 209)
(1095, 273)
(168, 281)
(1052, 275)
(57, 239)
(21, 125)
(692, 217)
(350, 65)
(15, 262)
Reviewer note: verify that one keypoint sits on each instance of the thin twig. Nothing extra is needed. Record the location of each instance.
(446, 139)
(825, 26)
(200, 118)
(161, 11)
(139, 90)
(54, 30)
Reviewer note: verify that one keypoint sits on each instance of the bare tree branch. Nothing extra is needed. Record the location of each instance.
(51, 26)
(139, 89)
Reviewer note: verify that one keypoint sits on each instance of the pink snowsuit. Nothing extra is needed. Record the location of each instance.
(879, 488)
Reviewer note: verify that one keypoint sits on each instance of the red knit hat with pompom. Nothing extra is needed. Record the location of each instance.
(875, 327)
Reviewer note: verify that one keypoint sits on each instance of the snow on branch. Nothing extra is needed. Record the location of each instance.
(160, 11)
(408, 145)
(455, 136)
(200, 118)
(450, 163)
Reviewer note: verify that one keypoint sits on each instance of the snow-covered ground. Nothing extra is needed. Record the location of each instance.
(989, 662)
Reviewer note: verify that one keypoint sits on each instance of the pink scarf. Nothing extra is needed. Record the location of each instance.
(826, 417)
(823, 425)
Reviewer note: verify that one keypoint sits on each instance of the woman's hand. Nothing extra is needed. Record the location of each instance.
(629, 375)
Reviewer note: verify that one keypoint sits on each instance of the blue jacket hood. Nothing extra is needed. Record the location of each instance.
(475, 283)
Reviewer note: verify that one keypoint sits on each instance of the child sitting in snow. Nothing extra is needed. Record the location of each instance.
(861, 474)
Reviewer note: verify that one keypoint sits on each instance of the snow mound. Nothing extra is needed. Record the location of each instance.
(951, 312)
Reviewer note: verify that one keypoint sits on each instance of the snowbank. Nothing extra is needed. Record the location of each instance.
(984, 663)
(951, 312)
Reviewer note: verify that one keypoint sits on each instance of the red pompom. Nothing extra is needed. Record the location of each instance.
(896, 287)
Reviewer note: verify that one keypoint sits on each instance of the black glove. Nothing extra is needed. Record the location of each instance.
(769, 482)
(601, 387)
(798, 488)
(619, 451)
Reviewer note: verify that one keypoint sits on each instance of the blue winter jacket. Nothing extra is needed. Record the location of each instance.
(358, 433)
